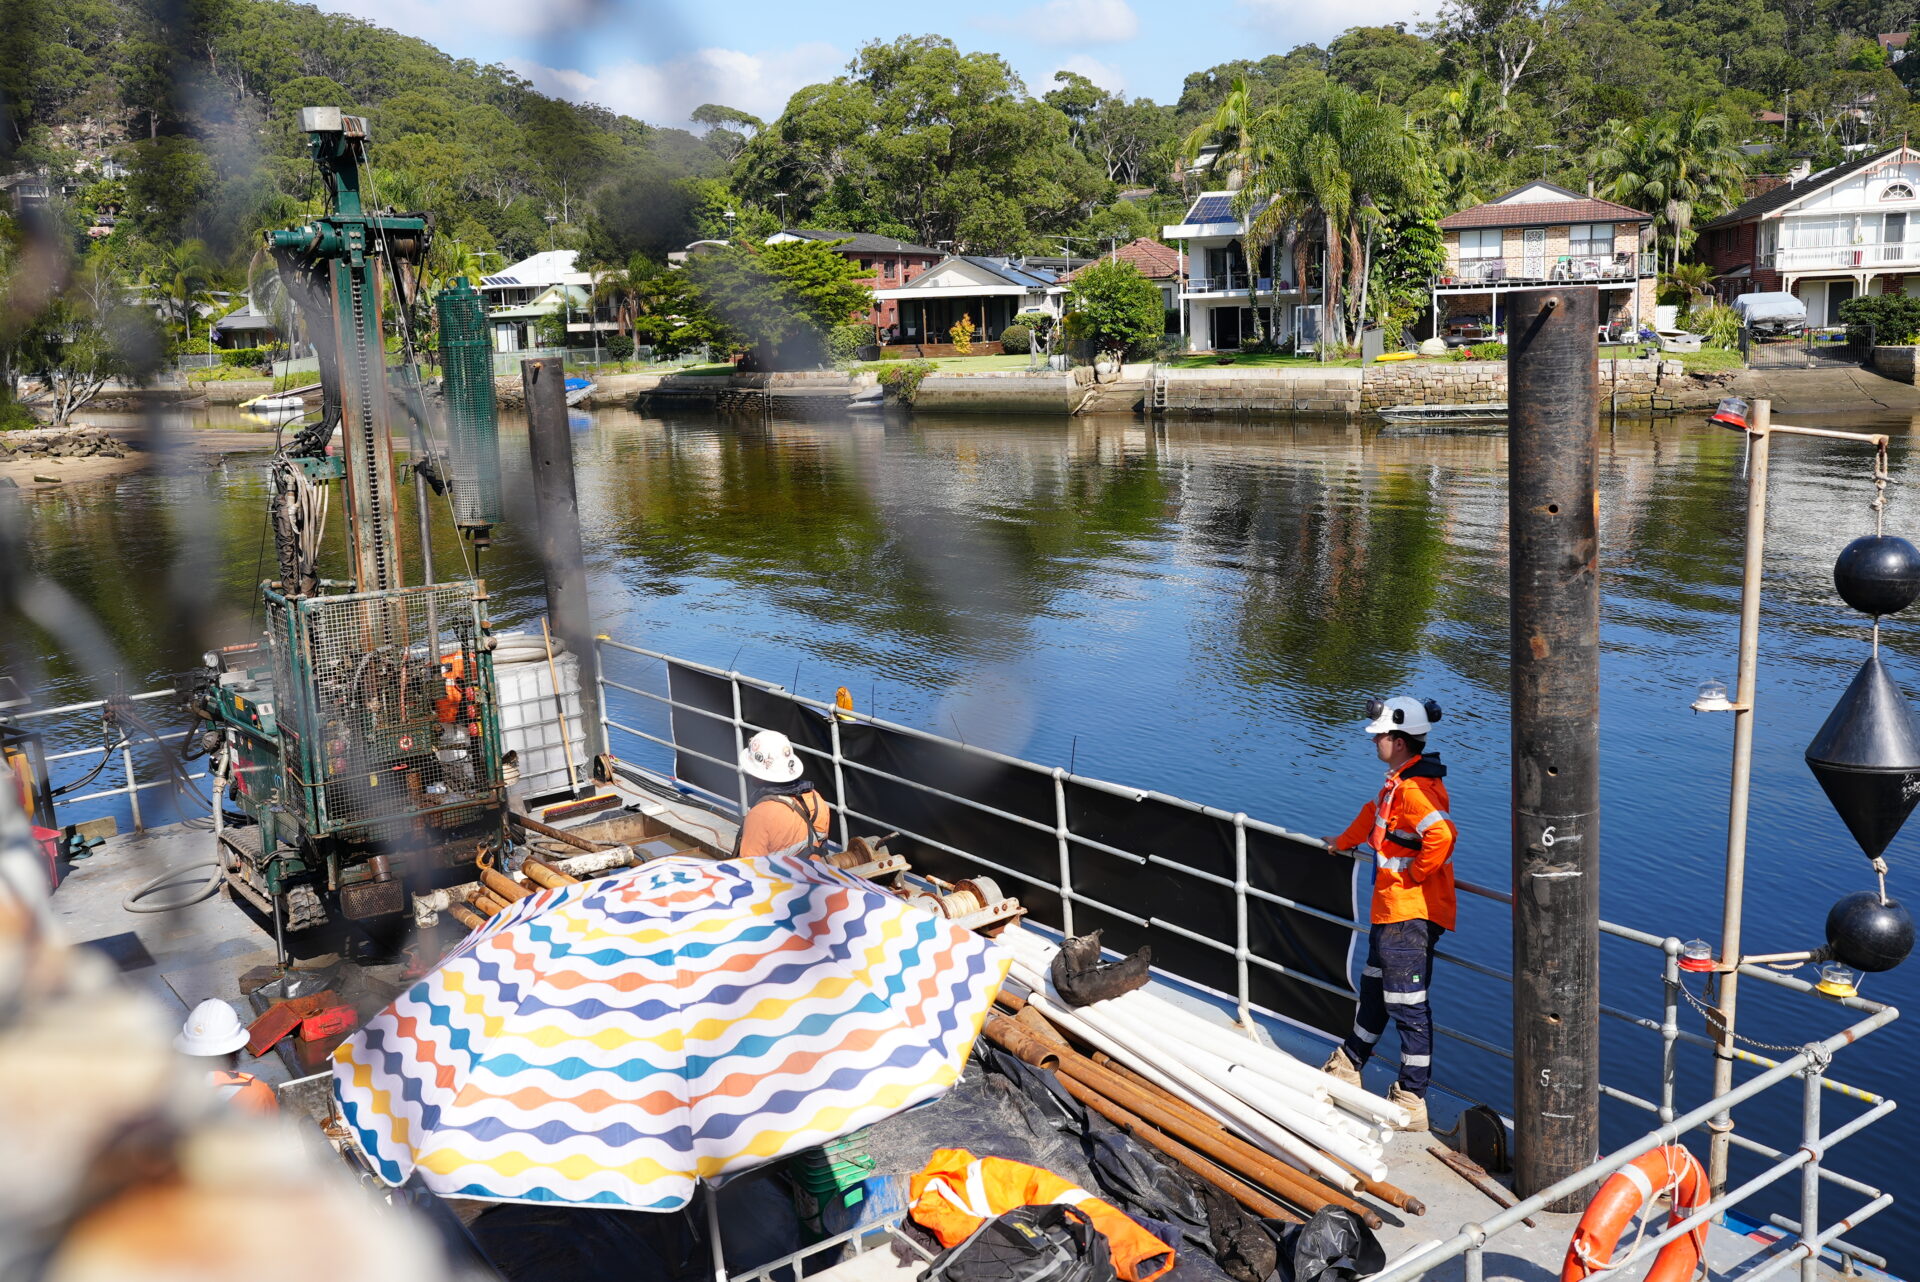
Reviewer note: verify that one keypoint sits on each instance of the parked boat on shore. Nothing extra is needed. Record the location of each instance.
(1495, 412)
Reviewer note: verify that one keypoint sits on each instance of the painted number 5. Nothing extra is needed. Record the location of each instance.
(1546, 837)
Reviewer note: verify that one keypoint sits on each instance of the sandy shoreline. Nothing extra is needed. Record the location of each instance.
(149, 448)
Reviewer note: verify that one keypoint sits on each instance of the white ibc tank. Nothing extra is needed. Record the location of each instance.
(530, 713)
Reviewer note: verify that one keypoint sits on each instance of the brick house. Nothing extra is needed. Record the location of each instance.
(1543, 234)
(1824, 237)
(1161, 264)
(892, 261)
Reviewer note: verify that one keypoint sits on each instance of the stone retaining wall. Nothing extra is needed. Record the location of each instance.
(1485, 382)
(1896, 363)
(1305, 389)
(1002, 392)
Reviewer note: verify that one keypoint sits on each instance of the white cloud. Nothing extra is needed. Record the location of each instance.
(1071, 22)
(1297, 22)
(1104, 74)
(665, 93)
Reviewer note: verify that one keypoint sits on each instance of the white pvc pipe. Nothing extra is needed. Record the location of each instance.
(1251, 1124)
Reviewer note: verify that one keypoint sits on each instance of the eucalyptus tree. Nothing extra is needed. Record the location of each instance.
(1675, 165)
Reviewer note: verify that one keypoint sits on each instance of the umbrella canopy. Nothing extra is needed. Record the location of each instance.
(615, 1042)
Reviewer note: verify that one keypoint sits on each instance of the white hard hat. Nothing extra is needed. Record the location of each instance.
(1401, 714)
(769, 757)
(212, 1029)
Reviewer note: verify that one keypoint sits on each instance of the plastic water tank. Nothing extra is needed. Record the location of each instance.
(530, 712)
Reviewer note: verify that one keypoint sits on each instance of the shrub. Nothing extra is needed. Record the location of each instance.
(1894, 318)
(1719, 325)
(620, 347)
(962, 334)
(902, 378)
(1038, 322)
(1016, 338)
(244, 356)
(1490, 351)
(15, 417)
(846, 339)
(1112, 307)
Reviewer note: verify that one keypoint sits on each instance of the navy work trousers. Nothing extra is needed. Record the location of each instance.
(1394, 984)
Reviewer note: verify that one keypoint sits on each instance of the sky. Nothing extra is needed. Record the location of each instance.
(658, 61)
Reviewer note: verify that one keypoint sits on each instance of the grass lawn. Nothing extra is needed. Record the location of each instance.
(1252, 360)
(958, 364)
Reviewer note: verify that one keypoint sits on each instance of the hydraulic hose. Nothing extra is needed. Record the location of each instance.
(211, 886)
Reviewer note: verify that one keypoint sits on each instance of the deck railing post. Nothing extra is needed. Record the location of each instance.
(1066, 848)
(1240, 951)
(1669, 1026)
(839, 781)
(1810, 1173)
(133, 785)
(739, 743)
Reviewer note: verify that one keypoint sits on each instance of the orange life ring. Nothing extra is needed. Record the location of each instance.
(1626, 1193)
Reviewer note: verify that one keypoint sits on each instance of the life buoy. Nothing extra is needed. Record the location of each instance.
(1626, 1193)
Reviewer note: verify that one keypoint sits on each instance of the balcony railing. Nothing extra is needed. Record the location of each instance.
(1236, 282)
(1623, 266)
(1841, 257)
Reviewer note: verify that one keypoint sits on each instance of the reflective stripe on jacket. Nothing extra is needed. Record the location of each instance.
(1412, 837)
(957, 1192)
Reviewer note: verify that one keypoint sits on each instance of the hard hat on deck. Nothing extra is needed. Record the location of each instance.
(769, 758)
(1402, 715)
(212, 1029)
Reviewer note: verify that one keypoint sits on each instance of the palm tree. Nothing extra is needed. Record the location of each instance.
(179, 279)
(1235, 130)
(1466, 125)
(1692, 281)
(1335, 160)
(1676, 163)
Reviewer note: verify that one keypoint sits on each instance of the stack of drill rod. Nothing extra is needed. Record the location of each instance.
(1268, 1130)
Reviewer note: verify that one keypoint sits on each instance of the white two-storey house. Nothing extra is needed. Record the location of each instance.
(1850, 230)
(1225, 294)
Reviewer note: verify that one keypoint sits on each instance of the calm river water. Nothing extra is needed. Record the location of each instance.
(1203, 608)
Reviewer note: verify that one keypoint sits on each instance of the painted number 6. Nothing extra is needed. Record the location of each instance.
(1546, 836)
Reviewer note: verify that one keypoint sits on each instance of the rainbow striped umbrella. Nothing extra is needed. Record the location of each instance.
(616, 1041)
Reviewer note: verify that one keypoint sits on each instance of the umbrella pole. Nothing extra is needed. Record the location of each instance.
(713, 1234)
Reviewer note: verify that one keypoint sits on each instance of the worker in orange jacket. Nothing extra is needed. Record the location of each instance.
(213, 1035)
(787, 816)
(957, 1192)
(1412, 836)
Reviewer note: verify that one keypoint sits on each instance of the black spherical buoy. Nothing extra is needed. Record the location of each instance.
(1867, 934)
(1878, 574)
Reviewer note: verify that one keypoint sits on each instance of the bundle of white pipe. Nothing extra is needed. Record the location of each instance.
(1290, 1109)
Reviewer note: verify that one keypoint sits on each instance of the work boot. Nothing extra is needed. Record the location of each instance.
(1415, 1105)
(1338, 1065)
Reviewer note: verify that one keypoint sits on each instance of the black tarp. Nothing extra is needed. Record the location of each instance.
(1144, 826)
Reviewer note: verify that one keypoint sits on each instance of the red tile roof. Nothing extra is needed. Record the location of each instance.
(1543, 213)
(1155, 261)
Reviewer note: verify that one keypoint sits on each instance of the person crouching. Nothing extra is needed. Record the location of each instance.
(786, 815)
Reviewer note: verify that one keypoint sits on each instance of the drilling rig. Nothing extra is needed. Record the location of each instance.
(360, 734)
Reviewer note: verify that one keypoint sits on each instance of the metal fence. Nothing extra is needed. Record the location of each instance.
(1809, 1065)
(1816, 348)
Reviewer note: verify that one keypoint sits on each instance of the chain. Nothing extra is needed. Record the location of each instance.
(1714, 1021)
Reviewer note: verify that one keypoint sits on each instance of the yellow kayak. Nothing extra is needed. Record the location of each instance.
(1395, 356)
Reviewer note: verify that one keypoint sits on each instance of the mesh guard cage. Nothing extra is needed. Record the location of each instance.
(473, 424)
(382, 742)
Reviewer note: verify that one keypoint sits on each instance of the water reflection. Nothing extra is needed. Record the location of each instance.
(1200, 607)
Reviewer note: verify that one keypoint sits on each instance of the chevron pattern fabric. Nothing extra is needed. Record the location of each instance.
(617, 1041)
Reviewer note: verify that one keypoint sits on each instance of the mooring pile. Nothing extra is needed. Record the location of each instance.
(1277, 1135)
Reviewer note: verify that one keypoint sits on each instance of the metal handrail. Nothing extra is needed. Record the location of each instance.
(1808, 1064)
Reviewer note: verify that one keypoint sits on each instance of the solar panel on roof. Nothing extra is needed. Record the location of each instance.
(1211, 209)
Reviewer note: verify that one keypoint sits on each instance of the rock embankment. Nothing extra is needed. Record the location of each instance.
(60, 442)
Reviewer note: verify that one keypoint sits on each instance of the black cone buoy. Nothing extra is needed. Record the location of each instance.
(1878, 574)
(1868, 935)
(1867, 758)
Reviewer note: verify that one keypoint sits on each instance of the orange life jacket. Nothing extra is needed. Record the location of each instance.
(244, 1091)
(1412, 836)
(958, 1192)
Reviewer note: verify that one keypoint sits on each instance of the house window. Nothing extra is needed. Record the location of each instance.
(1897, 191)
(1480, 243)
(1590, 240)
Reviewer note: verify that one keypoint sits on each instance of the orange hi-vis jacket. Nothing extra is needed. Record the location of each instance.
(244, 1091)
(1412, 836)
(956, 1193)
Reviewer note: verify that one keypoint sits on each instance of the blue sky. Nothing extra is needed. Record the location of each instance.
(658, 61)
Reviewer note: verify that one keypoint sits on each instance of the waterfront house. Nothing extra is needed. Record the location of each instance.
(1824, 237)
(890, 262)
(245, 326)
(1222, 296)
(1542, 234)
(991, 291)
(550, 282)
(1161, 264)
